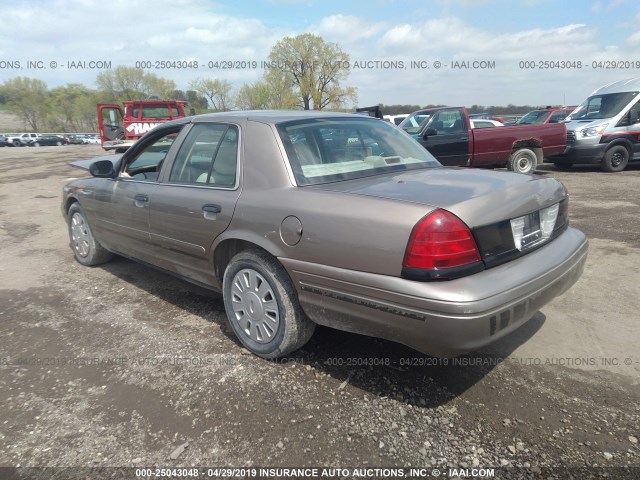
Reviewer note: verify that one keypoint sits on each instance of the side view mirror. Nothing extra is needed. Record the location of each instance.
(429, 132)
(102, 169)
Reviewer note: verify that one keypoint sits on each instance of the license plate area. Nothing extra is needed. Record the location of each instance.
(534, 228)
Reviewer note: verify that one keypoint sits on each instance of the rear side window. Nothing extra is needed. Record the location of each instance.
(208, 156)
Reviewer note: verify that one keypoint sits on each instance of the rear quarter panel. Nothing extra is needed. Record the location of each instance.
(494, 146)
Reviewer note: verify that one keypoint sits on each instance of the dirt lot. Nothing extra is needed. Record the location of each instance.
(120, 365)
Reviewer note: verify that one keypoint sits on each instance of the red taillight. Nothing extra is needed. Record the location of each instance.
(440, 240)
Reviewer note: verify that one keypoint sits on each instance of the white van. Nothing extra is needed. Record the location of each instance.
(605, 128)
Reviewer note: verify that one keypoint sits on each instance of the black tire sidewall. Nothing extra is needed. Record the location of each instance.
(279, 284)
(606, 161)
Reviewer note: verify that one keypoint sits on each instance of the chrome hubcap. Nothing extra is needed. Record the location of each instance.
(254, 306)
(80, 236)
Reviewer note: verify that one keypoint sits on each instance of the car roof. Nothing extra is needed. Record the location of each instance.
(554, 109)
(629, 85)
(273, 116)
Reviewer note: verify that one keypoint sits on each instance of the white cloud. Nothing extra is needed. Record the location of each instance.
(346, 28)
(450, 34)
(634, 38)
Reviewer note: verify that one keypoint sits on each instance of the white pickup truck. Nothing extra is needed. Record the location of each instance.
(21, 139)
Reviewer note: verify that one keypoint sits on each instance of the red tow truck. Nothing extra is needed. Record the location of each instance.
(446, 132)
(121, 127)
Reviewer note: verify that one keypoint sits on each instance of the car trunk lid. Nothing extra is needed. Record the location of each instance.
(478, 197)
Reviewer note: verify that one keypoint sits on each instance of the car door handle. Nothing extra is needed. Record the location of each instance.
(211, 208)
(140, 200)
(211, 211)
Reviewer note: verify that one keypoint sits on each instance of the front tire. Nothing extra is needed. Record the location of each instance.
(86, 248)
(523, 161)
(262, 305)
(615, 159)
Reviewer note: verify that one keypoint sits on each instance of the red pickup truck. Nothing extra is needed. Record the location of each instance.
(447, 134)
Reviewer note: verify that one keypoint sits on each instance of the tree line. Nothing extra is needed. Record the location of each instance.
(303, 72)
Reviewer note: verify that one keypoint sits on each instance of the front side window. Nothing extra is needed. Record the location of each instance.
(333, 149)
(557, 117)
(414, 122)
(208, 156)
(146, 164)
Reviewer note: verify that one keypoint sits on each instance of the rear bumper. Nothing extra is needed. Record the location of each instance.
(441, 318)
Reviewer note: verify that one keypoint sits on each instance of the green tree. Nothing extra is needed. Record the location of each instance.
(27, 97)
(129, 83)
(264, 96)
(314, 69)
(198, 102)
(65, 113)
(219, 93)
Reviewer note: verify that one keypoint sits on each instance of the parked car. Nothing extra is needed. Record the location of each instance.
(21, 139)
(484, 123)
(48, 140)
(76, 139)
(91, 139)
(486, 116)
(295, 230)
(604, 128)
(4, 142)
(547, 115)
(395, 119)
(446, 132)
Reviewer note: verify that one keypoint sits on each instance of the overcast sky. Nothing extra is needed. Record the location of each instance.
(393, 34)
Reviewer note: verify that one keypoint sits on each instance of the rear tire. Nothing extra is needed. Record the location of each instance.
(16, 143)
(262, 305)
(86, 248)
(615, 159)
(523, 160)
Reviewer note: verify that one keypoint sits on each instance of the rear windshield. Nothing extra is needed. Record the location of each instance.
(333, 149)
(602, 106)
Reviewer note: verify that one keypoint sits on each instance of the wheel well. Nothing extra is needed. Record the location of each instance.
(226, 250)
(621, 144)
(531, 143)
(67, 205)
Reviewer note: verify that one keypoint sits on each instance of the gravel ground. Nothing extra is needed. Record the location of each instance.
(121, 365)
